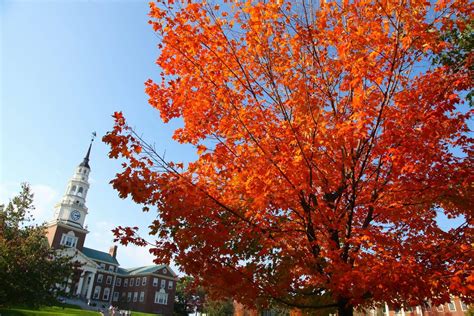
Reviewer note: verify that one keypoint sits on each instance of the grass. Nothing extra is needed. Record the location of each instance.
(62, 309)
(141, 314)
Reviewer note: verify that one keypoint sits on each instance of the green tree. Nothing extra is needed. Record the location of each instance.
(459, 52)
(30, 271)
(191, 297)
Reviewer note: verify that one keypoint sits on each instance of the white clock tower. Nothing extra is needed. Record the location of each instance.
(67, 227)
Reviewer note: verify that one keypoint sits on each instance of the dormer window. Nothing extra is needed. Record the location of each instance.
(69, 240)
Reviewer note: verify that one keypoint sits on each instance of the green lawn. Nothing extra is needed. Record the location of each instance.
(65, 309)
(142, 314)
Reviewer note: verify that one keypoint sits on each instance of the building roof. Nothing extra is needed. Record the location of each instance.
(99, 255)
(145, 270)
(122, 271)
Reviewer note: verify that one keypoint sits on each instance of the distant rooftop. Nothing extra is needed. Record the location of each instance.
(99, 255)
(145, 270)
(105, 257)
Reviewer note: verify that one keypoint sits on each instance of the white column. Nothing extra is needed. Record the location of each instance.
(89, 290)
(79, 286)
(419, 311)
(68, 285)
(387, 310)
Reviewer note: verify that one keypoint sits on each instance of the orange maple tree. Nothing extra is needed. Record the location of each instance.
(327, 144)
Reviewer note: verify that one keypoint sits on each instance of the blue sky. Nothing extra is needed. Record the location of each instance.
(66, 66)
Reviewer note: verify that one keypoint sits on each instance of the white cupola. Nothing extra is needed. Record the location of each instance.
(72, 207)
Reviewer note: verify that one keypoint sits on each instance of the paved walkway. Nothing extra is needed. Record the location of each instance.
(82, 304)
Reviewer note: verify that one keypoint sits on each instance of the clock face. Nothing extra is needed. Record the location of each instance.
(75, 215)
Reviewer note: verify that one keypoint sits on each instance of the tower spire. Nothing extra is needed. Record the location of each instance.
(85, 162)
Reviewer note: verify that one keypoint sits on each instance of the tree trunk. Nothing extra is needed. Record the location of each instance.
(344, 309)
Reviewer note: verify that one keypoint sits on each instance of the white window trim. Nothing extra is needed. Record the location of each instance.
(163, 284)
(142, 296)
(135, 296)
(137, 282)
(118, 281)
(96, 294)
(108, 280)
(69, 240)
(161, 297)
(115, 297)
(454, 305)
(144, 281)
(155, 282)
(106, 291)
(100, 278)
(170, 285)
(132, 282)
(125, 282)
(129, 296)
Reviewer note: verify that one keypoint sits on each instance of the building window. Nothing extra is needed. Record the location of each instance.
(73, 189)
(161, 297)
(163, 284)
(440, 308)
(125, 282)
(131, 281)
(69, 240)
(105, 297)
(155, 282)
(96, 293)
(135, 296)
(116, 296)
(102, 266)
(170, 285)
(165, 271)
(144, 281)
(118, 281)
(108, 280)
(99, 278)
(80, 192)
(142, 296)
(452, 306)
(123, 294)
(129, 296)
(111, 268)
(137, 282)
(463, 306)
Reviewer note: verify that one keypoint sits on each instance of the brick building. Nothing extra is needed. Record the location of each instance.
(454, 308)
(101, 280)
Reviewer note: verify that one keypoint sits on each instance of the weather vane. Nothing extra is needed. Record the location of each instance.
(94, 134)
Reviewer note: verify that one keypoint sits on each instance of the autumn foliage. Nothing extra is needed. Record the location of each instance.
(327, 144)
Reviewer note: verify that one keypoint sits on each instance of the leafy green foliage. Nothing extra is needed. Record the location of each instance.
(30, 271)
(458, 55)
(191, 297)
